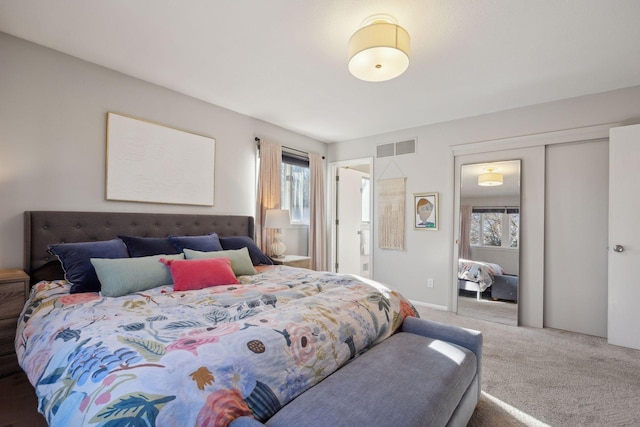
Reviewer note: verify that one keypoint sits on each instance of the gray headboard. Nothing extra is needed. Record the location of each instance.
(42, 228)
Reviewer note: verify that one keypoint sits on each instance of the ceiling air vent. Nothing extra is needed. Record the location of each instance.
(396, 148)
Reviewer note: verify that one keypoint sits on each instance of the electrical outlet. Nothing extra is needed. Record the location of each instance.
(429, 282)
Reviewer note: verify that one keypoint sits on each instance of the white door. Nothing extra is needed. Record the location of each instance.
(575, 251)
(623, 326)
(349, 221)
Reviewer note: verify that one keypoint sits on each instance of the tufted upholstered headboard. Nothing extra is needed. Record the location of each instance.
(42, 228)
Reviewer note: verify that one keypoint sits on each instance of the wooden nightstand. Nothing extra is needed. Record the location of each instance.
(293, 261)
(14, 290)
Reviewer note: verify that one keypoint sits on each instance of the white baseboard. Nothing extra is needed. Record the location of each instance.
(428, 305)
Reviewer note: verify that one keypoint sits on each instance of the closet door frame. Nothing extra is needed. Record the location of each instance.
(531, 311)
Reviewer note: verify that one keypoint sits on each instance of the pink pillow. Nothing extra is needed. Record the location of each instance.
(195, 274)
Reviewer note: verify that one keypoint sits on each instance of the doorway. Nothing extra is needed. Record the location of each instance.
(351, 217)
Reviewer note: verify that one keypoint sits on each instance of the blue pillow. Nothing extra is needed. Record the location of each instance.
(148, 246)
(76, 261)
(238, 242)
(208, 243)
(129, 275)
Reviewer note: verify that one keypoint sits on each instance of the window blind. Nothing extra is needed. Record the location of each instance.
(505, 209)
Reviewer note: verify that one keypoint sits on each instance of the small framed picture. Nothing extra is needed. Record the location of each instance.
(425, 211)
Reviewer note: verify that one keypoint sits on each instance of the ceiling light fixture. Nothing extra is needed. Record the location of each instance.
(490, 179)
(379, 50)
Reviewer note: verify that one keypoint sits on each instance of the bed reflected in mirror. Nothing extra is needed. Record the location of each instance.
(489, 241)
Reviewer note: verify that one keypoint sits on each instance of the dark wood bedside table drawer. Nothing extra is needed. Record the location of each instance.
(293, 261)
(300, 263)
(7, 335)
(12, 298)
(8, 364)
(14, 286)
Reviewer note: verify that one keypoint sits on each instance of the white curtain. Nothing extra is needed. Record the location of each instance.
(465, 230)
(317, 211)
(269, 188)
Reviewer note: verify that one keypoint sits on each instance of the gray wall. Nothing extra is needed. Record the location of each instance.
(431, 169)
(53, 139)
(52, 154)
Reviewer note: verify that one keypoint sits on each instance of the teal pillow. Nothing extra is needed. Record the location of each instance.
(238, 242)
(240, 260)
(128, 275)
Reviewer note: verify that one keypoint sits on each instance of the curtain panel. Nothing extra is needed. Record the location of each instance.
(317, 214)
(464, 246)
(269, 189)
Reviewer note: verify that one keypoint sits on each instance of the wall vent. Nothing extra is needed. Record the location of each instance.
(406, 147)
(385, 150)
(396, 148)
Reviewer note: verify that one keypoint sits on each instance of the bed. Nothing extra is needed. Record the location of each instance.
(155, 355)
(477, 276)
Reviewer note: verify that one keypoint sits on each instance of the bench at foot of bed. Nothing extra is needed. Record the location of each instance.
(428, 374)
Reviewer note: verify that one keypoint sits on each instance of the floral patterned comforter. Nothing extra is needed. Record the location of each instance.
(479, 272)
(197, 358)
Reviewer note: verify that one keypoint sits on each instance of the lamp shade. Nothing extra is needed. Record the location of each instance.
(379, 50)
(277, 218)
(490, 178)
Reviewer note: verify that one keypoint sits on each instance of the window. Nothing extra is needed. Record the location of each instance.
(489, 225)
(295, 187)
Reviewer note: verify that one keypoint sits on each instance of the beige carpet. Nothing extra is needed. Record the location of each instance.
(497, 311)
(537, 377)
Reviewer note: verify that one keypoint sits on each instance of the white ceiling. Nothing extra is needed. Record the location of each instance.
(285, 61)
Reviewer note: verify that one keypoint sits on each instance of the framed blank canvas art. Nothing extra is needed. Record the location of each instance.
(148, 162)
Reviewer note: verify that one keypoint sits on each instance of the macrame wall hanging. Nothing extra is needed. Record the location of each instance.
(391, 213)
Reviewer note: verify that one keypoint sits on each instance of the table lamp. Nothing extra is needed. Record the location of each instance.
(277, 219)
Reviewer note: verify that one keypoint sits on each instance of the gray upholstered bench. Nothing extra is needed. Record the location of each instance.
(428, 374)
(505, 287)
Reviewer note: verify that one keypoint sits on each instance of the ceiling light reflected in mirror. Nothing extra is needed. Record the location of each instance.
(490, 178)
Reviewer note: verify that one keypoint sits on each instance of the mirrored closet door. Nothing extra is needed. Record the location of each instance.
(489, 241)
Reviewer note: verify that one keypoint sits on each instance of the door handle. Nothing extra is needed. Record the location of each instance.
(618, 248)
